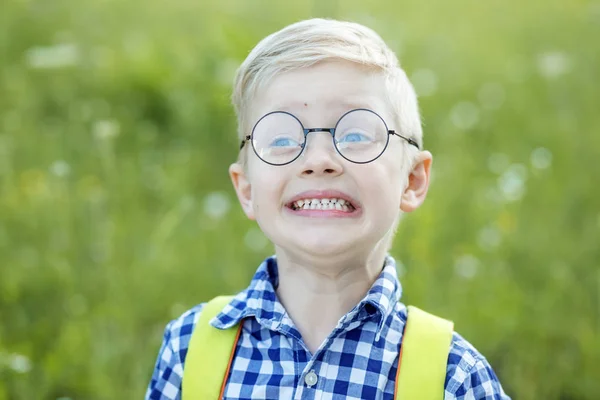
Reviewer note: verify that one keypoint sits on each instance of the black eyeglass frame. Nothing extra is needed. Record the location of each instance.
(306, 131)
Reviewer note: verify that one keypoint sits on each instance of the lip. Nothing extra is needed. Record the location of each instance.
(325, 194)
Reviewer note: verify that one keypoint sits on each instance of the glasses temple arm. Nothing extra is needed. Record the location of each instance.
(244, 141)
(409, 140)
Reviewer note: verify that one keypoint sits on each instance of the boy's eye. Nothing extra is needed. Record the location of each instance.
(354, 137)
(284, 142)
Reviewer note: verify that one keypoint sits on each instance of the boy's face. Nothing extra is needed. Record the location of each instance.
(318, 96)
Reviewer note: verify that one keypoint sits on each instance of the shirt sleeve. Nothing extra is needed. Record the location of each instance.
(469, 375)
(481, 383)
(165, 383)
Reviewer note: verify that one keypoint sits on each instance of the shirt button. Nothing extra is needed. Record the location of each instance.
(310, 379)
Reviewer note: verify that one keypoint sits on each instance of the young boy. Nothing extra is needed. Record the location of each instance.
(331, 157)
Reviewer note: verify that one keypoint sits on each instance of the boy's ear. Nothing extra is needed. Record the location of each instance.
(242, 187)
(418, 183)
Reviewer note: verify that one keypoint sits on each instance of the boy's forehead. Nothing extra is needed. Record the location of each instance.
(334, 87)
(334, 104)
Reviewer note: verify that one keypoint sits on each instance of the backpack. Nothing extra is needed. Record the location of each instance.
(423, 356)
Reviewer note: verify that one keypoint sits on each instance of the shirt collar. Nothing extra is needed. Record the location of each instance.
(260, 301)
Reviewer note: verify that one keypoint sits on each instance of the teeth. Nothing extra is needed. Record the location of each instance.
(323, 204)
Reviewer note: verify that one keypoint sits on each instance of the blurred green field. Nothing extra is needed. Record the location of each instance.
(117, 214)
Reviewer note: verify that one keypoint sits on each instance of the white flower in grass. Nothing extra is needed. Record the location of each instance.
(60, 168)
(464, 115)
(466, 266)
(216, 205)
(489, 238)
(106, 129)
(19, 363)
(553, 64)
(512, 182)
(541, 158)
(49, 57)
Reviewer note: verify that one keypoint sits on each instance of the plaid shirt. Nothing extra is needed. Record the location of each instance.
(358, 360)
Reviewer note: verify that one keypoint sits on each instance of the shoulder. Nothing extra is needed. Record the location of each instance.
(167, 376)
(179, 331)
(227, 310)
(469, 374)
(463, 355)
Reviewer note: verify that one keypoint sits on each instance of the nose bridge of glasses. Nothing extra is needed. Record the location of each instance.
(330, 132)
(309, 130)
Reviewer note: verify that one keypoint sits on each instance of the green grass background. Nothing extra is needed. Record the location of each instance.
(117, 214)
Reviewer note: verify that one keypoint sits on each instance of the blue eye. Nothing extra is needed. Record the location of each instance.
(284, 142)
(354, 137)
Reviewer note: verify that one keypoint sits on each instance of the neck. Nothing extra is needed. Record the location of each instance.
(317, 294)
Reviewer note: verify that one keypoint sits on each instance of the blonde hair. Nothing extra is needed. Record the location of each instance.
(308, 42)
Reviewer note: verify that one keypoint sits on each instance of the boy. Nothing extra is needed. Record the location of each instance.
(330, 158)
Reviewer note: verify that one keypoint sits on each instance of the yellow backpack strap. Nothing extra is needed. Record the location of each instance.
(423, 356)
(209, 355)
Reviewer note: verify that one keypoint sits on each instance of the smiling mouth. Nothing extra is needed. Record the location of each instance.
(339, 205)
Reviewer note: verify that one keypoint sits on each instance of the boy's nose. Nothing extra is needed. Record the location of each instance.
(319, 156)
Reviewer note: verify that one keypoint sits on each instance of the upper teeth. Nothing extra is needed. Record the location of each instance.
(323, 204)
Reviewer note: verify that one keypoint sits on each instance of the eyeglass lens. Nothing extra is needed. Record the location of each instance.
(360, 136)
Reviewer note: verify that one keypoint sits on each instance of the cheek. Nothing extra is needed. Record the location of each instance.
(385, 180)
(383, 188)
(396, 171)
(266, 191)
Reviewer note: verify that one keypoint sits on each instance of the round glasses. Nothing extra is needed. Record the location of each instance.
(360, 136)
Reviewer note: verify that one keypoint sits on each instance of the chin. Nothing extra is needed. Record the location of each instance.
(326, 246)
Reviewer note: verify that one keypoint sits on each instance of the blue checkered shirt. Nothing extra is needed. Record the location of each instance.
(358, 360)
